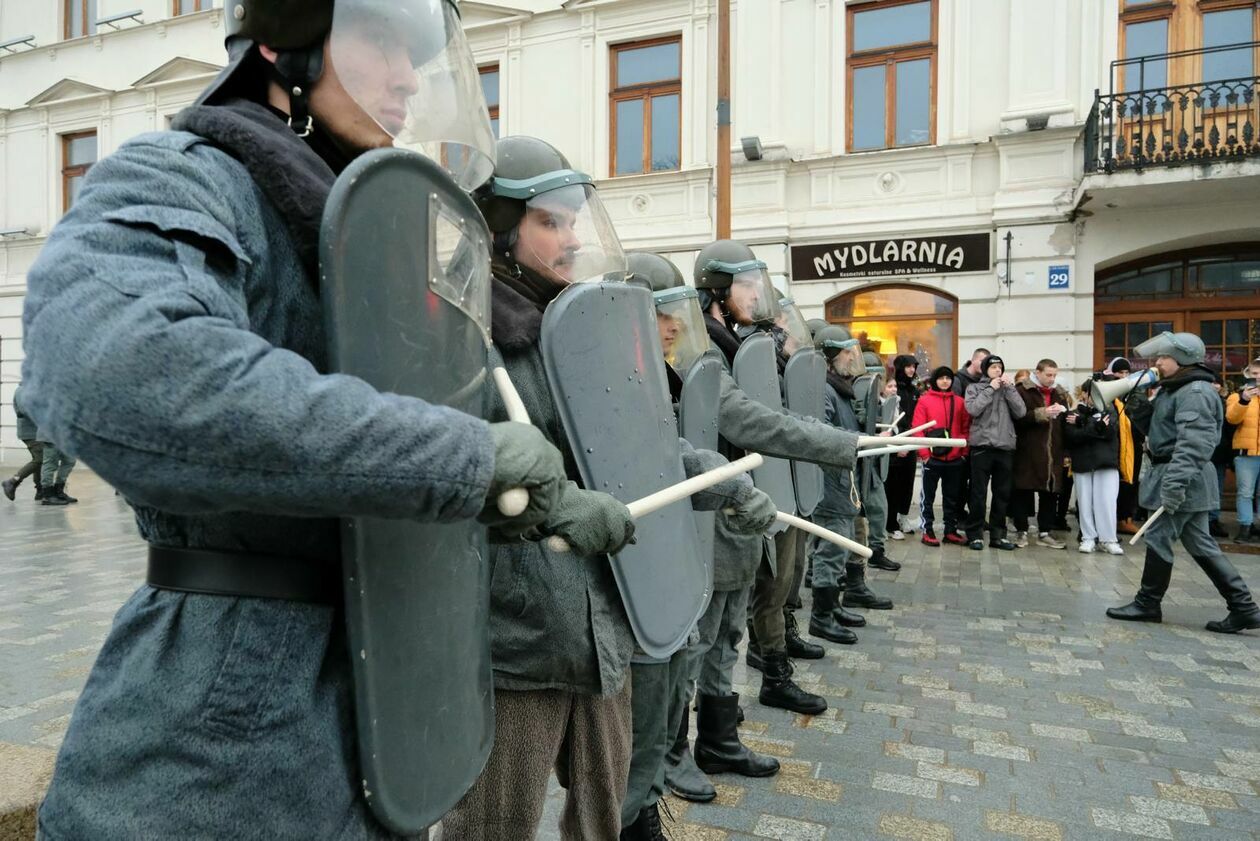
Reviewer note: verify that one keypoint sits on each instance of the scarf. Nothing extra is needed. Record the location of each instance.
(1126, 445)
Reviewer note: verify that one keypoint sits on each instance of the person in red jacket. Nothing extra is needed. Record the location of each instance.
(945, 466)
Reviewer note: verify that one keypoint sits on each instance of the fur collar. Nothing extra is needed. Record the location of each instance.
(515, 321)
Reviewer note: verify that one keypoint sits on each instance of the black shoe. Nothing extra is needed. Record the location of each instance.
(779, 690)
(881, 561)
(718, 748)
(1003, 544)
(1235, 622)
(822, 619)
(857, 594)
(646, 827)
(51, 498)
(39, 491)
(798, 648)
(1244, 535)
(682, 775)
(753, 657)
(10, 487)
(1215, 529)
(1243, 613)
(1145, 605)
(59, 489)
(848, 618)
(977, 545)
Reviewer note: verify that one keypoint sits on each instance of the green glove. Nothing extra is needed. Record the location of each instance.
(593, 523)
(523, 458)
(754, 515)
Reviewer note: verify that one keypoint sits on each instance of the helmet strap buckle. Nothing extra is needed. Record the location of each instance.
(304, 131)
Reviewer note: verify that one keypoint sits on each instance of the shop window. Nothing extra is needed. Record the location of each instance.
(80, 18)
(891, 74)
(899, 319)
(645, 106)
(490, 90)
(78, 153)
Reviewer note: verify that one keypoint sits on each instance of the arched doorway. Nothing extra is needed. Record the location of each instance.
(901, 318)
(1212, 291)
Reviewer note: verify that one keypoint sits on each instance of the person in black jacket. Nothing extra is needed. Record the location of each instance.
(1093, 440)
(1222, 459)
(901, 468)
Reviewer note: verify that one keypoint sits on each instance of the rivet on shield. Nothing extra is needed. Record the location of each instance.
(239, 12)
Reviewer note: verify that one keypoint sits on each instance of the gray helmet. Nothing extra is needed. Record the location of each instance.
(719, 261)
(521, 160)
(653, 271)
(1184, 348)
(814, 325)
(872, 361)
(833, 338)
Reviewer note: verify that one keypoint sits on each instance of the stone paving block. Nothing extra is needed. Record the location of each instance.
(1051, 731)
(807, 787)
(980, 734)
(913, 829)
(949, 774)
(1134, 824)
(1198, 796)
(1152, 731)
(915, 752)
(1231, 784)
(1023, 826)
(1015, 752)
(1169, 810)
(788, 829)
(901, 784)
(985, 710)
(1244, 772)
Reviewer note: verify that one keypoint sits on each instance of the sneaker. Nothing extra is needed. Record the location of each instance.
(907, 524)
(898, 534)
(1049, 541)
(929, 538)
(977, 545)
(1021, 539)
(955, 538)
(1086, 547)
(1003, 544)
(1113, 548)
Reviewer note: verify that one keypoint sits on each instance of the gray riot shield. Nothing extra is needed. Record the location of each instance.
(757, 375)
(698, 411)
(803, 381)
(866, 405)
(887, 411)
(602, 353)
(406, 299)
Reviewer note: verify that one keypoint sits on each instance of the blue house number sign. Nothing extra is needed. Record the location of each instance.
(1060, 276)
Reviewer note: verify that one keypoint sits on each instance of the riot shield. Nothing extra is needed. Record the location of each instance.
(866, 405)
(602, 353)
(803, 381)
(406, 299)
(888, 409)
(757, 375)
(698, 411)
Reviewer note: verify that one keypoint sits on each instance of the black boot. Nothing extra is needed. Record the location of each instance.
(822, 619)
(857, 594)
(718, 748)
(646, 827)
(39, 489)
(779, 690)
(753, 657)
(797, 648)
(51, 497)
(881, 561)
(1243, 613)
(848, 618)
(682, 775)
(59, 489)
(1145, 605)
(10, 487)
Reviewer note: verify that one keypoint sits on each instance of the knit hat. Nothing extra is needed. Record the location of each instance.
(1118, 366)
(989, 360)
(899, 367)
(943, 371)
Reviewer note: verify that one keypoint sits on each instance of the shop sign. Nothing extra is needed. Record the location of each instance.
(949, 254)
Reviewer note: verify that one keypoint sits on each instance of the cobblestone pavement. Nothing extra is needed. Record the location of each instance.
(996, 701)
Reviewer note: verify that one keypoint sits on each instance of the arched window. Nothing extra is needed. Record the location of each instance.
(893, 319)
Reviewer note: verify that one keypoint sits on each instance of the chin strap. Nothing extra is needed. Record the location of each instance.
(298, 71)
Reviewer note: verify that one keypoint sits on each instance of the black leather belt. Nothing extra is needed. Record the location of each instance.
(212, 573)
(1160, 459)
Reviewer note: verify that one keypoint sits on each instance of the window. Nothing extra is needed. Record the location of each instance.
(1155, 29)
(187, 7)
(646, 106)
(490, 90)
(895, 319)
(1202, 273)
(80, 18)
(78, 153)
(892, 74)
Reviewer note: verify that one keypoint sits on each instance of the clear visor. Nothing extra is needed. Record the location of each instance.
(566, 236)
(848, 362)
(407, 64)
(1162, 345)
(684, 338)
(753, 298)
(793, 324)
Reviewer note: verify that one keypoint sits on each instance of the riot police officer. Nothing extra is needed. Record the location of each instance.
(175, 342)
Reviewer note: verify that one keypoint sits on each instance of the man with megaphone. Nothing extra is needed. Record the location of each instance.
(1182, 423)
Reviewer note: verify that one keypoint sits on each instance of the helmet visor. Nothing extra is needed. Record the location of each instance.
(684, 338)
(1165, 344)
(845, 358)
(567, 236)
(407, 64)
(753, 298)
(793, 324)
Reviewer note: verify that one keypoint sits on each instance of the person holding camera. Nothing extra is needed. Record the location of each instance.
(994, 407)
(1242, 409)
(1093, 442)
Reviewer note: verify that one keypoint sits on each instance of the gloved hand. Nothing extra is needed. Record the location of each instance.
(591, 522)
(724, 494)
(523, 458)
(1171, 499)
(754, 515)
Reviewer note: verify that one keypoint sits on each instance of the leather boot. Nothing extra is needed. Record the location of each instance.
(857, 594)
(848, 618)
(10, 487)
(51, 497)
(779, 690)
(1243, 613)
(646, 827)
(881, 561)
(1127, 526)
(822, 618)
(682, 775)
(39, 488)
(753, 656)
(1145, 605)
(60, 490)
(718, 748)
(797, 648)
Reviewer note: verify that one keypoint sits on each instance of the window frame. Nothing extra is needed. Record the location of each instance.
(645, 91)
(889, 57)
(492, 110)
(836, 301)
(88, 25)
(198, 6)
(78, 170)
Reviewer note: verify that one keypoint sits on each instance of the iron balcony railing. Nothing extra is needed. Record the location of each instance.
(1144, 120)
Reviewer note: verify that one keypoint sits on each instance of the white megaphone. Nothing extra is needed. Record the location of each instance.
(1103, 393)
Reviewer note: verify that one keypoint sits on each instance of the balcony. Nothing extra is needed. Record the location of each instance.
(1148, 119)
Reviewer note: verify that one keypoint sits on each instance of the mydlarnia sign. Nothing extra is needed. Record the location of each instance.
(891, 257)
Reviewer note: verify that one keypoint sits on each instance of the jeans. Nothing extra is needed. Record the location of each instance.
(1246, 475)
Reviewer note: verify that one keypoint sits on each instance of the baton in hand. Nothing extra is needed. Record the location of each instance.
(1149, 520)
(512, 502)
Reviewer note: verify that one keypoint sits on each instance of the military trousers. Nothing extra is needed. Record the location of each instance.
(585, 738)
(772, 588)
(36, 449)
(656, 688)
(875, 505)
(827, 558)
(721, 629)
(1191, 528)
(55, 467)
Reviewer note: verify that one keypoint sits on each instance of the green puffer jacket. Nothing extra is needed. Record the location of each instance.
(1184, 427)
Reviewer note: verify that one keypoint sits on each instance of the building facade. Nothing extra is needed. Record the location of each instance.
(1044, 179)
